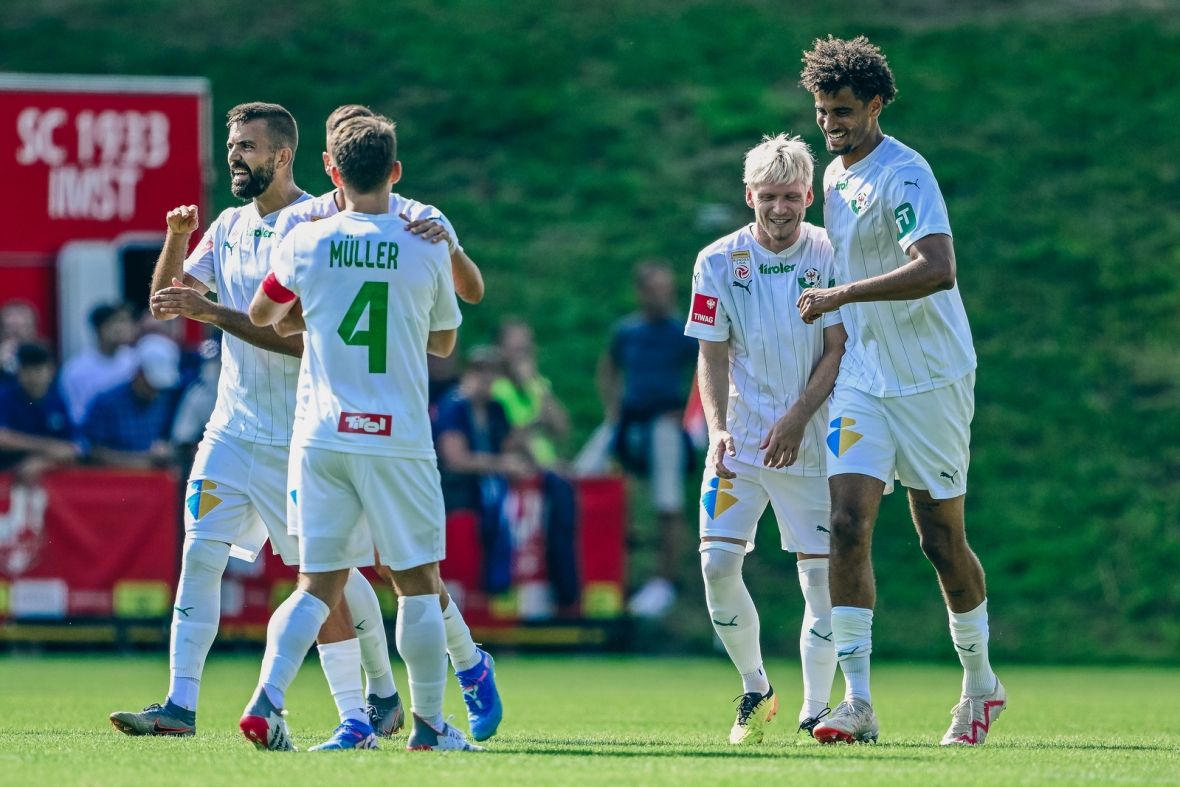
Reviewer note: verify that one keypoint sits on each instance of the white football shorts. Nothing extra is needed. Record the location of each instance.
(237, 494)
(344, 506)
(731, 507)
(922, 440)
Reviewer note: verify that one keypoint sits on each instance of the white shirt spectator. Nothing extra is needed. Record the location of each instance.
(91, 373)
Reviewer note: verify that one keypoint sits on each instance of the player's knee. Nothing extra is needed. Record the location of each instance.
(849, 529)
(719, 562)
(205, 557)
(938, 546)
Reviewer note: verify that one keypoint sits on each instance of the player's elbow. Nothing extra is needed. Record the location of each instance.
(942, 276)
(471, 293)
(259, 314)
(442, 343)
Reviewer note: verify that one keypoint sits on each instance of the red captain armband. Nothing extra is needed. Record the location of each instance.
(275, 291)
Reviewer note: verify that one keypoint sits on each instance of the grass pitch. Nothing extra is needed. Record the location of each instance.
(596, 721)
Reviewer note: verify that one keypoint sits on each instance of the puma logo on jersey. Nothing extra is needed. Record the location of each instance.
(365, 423)
(230, 246)
(183, 610)
(745, 286)
(951, 476)
(913, 183)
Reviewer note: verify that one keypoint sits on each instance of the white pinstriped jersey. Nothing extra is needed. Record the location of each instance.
(746, 294)
(323, 206)
(873, 212)
(256, 392)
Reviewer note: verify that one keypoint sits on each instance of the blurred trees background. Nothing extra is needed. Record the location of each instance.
(567, 140)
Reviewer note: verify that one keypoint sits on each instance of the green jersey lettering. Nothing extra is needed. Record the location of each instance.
(374, 295)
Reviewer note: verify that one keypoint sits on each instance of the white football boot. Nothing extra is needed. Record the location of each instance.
(853, 721)
(973, 717)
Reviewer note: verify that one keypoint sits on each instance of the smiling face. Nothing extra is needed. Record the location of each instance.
(252, 162)
(849, 124)
(779, 209)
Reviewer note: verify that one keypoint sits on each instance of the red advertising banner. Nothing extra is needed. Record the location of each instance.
(100, 543)
(92, 158)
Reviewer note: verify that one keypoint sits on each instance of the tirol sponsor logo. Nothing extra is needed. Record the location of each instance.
(365, 423)
(704, 309)
(772, 269)
(905, 219)
(740, 260)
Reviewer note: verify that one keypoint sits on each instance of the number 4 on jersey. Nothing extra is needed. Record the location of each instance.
(375, 296)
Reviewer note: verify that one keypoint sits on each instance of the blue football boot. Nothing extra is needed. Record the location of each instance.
(351, 734)
(484, 709)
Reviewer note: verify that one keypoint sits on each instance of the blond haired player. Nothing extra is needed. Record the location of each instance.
(764, 377)
(904, 400)
(374, 304)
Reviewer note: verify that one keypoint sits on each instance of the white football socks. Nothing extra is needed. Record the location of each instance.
(422, 642)
(195, 617)
(732, 611)
(460, 647)
(815, 639)
(370, 631)
(342, 668)
(969, 632)
(852, 637)
(289, 635)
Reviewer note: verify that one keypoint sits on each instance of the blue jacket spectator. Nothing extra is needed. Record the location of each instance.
(643, 380)
(98, 369)
(35, 427)
(130, 426)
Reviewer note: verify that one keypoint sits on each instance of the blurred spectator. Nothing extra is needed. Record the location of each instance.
(18, 325)
(526, 396)
(443, 374)
(199, 398)
(480, 453)
(97, 370)
(129, 426)
(643, 382)
(35, 430)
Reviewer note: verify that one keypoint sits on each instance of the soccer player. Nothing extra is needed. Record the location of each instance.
(764, 378)
(362, 442)
(904, 399)
(237, 490)
(474, 668)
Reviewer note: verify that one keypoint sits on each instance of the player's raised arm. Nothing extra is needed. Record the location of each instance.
(468, 280)
(182, 223)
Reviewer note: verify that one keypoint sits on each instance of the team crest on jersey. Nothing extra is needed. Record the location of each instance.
(740, 262)
(862, 200)
(810, 278)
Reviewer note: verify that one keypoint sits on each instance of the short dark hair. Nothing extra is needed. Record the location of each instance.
(103, 314)
(281, 129)
(484, 358)
(33, 354)
(364, 149)
(835, 64)
(343, 113)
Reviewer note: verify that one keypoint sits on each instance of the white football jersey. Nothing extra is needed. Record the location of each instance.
(323, 206)
(371, 293)
(746, 294)
(873, 212)
(256, 391)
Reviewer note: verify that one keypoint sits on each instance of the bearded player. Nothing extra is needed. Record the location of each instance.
(363, 474)
(764, 378)
(474, 668)
(904, 399)
(237, 491)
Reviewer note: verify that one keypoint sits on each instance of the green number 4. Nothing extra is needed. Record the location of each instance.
(374, 295)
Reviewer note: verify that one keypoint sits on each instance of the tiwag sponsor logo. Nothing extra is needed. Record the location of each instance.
(704, 309)
(365, 423)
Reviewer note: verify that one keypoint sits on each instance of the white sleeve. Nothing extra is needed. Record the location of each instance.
(201, 264)
(831, 276)
(445, 314)
(706, 314)
(282, 263)
(416, 210)
(917, 206)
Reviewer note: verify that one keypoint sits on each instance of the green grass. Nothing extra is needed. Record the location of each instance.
(597, 721)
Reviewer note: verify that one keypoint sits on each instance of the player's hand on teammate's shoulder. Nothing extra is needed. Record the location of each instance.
(428, 229)
(183, 220)
(782, 443)
(818, 301)
(722, 445)
(180, 300)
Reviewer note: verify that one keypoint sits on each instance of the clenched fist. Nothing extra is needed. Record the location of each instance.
(183, 220)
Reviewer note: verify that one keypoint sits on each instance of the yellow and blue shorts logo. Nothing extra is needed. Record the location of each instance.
(201, 500)
(842, 438)
(717, 501)
(294, 497)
